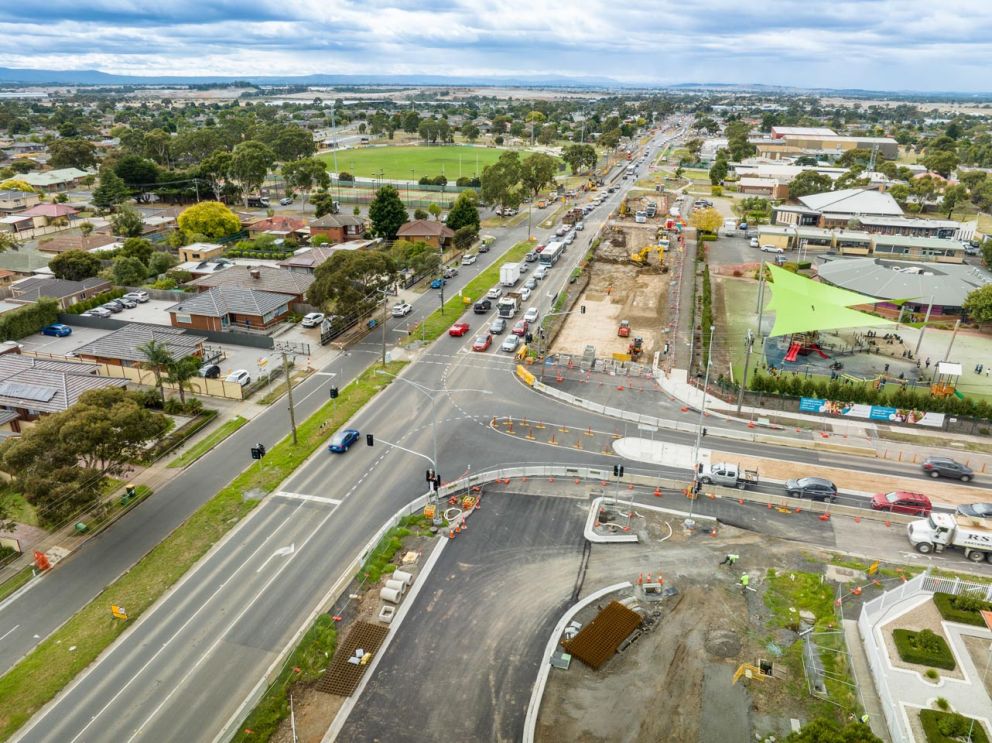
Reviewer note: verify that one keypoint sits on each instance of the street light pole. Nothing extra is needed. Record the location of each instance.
(699, 427)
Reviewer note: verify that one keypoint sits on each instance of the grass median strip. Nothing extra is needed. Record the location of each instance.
(437, 323)
(45, 671)
(202, 447)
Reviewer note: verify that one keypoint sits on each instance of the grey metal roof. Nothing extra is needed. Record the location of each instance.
(948, 284)
(41, 286)
(337, 220)
(852, 201)
(47, 386)
(230, 300)
(123, 344)
(269, 279)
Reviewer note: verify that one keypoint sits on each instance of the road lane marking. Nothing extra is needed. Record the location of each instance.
(305, 497)
(9, 631)
(281, 552)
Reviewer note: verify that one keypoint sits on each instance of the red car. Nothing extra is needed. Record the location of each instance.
(521, 328)
(483, 342)
(901, 501)
(458, 329)
(539, 248)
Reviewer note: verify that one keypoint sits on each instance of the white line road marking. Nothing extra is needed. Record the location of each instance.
(326, 374)
(304, 496)
(9, 631)
(281, 552)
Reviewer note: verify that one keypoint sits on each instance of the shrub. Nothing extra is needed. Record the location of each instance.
(28, 319)
(931, 674)
(716, 190)
(943, 704)
(964, 608)
(924, 648)
(88, 304)
(950, 727)
(707, 237)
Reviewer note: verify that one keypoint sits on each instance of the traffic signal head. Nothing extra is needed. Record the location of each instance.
(369, 440)
(618, 470)
(582, 309)
(334, 393)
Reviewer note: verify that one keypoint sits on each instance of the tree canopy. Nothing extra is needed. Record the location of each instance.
(500, 181)
(978, 304)
(809, 182)
(464, 213)
(350, 281)
(209, 218)
(75, 265)
(387, 213)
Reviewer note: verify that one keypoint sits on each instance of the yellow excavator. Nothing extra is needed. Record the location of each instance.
(641, 256)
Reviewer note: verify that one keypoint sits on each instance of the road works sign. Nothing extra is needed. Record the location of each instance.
(118, 611)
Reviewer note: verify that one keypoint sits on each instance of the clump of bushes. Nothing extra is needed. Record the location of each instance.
(924, 647)
(964, 608)
(88, 304)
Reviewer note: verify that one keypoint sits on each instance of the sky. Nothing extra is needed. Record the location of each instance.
(871, 44)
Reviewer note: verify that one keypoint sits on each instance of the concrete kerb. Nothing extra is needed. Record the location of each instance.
(592, 520)
(537, 693)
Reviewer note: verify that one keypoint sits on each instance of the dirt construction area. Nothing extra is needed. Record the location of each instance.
(620, 290)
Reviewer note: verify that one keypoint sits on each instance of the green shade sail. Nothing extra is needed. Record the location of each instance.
(802, 305)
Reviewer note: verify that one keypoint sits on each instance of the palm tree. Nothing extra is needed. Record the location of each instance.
(179, 372)
(158, 359)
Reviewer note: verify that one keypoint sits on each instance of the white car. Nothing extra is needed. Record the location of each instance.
(494, 293)
(771, 249)
(531, 314)
(402, 309)
(754, 240)
(525, 294)
(469, 259)
(312, 319)
(138, 296)
(239, 376)
(580, 226)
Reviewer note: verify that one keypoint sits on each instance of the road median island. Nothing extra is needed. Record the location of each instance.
(436, 323)
(53, 664)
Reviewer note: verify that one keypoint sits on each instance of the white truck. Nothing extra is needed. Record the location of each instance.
(943, 530)
(509, 274)
(507, 306)
(728, 475)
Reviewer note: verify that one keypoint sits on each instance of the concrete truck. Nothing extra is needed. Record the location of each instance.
(944, 530)
(509, 274)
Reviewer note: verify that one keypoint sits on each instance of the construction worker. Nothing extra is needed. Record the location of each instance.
(730, 559)
(864, 718)
(745, 581)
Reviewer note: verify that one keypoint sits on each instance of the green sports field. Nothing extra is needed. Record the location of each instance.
(397, 162)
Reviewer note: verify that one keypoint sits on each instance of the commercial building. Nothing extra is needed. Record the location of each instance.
(819, 141)
(861, 243)
(837, 208)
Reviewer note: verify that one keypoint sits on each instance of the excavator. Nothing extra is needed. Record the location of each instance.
(641, 256)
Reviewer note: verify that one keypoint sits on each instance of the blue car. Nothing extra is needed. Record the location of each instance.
(342, 441)
(438, 283)
(57, 329)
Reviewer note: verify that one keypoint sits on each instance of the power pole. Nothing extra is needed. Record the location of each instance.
(749, 342)
(957, 324)
(289, 394)
(383, 327)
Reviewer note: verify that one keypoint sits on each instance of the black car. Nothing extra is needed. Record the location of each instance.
(976, 510)
(483, 306)
(811, 487)
(944, 467)
(209, 371)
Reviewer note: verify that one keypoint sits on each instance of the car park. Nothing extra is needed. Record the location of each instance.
(128, 304)
(401, 309)
(342, 440)
(469, 258)
(902, 501)
(57, 330)
(495, 293)
(945, 467)
(458, 329)
(531, 283)
(497, 326)
(113, 307)
(531, 314)
(520, 328)
(482, 342)
(140, 296)
(239, 376)
(209, 371)
(976, 511)
(771, 249)
(816, 488)
(510, 344)
(312, 319)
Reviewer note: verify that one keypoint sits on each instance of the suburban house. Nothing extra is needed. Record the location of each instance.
(308, 259)
(258, 278)
(67, 293)
(45, 215)
(837, 208)
(31, 387)
(122, 347)
(279, 227)
(196, 269)
(230, 308)
(53, 181)
(200, 252)
(433, 233)
(65, 241)
(25, 263)
(16, 201)
(337, 228)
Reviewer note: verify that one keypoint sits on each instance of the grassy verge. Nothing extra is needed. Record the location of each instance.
(932, 441)
(19, 579)
(436, 323)
(280, 389)
(50, 666)
(378, 562)
(202, 447)
(17, 507)
(311, 657)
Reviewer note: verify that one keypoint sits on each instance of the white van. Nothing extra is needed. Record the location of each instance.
(540, 272)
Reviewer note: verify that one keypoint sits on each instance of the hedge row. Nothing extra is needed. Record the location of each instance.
(797, 385)
(964, 608)
(88, 304)
(28, 319)
(950, 727)
(269, 254)
(926, 649)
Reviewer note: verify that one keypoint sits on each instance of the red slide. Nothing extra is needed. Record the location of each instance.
(793, 351)
(820, 351)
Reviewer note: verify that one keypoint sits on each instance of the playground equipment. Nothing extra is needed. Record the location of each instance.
(803, 344)
(945, 380)
(624, 330)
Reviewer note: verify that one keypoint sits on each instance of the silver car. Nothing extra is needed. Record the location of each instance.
(510, 343)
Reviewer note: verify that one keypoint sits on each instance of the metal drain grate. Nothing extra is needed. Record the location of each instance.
(342, 677)
(598, 641)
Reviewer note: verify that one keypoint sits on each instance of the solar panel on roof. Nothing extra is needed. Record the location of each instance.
(37, 392)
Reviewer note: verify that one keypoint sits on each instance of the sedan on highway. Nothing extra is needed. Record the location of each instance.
(510, 343)
(342, 440)
(482, 342)
(458, 329)
(402, 309)
(902, 501)
(57, 330)
(497, 326)
(945, 467)
(525, 294)
(816, 488)
(469, 259)
(521, 328)
(530, 283)
(531, 314)
(976, 511)
(494, 293)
